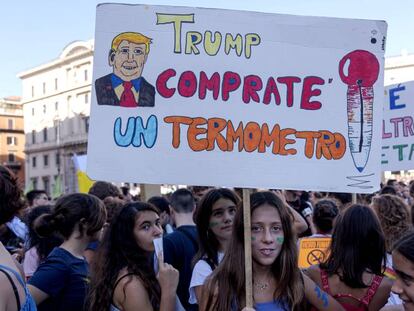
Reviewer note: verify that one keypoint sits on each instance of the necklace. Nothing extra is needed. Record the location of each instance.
(261, 286)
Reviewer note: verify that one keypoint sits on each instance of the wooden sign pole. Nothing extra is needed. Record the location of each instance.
(247, 248)
(354, 198)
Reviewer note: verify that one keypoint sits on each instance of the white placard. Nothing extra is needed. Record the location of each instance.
(398, 128)
(159, 248)
(231, 98)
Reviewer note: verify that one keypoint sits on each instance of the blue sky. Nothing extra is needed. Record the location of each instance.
(35, 32)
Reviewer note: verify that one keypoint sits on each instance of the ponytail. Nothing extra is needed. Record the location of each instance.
(71, 210)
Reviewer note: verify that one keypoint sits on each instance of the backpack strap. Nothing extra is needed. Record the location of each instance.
(116, 284)
(16, 292)
(375, 284)
(209, 262)
(325, 283)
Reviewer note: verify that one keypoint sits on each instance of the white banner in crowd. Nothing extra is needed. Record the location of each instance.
(398, 128)
(231, 98)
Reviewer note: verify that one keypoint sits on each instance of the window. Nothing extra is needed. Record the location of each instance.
(46, 160)
(86, 122)
(85, 73)
(11, 157)
(11, 140)
(45, 134)
(57, 159)
(33, 161)
(44, 88)
(46, 183)
(69, 100)
(34, 183)
(33, 91)
(56, 182)
(33, 111)
(33, 137)
(56, 106)
(70, 125)
(10, 123)
(86, 98)
(56, 84)
(68, 73)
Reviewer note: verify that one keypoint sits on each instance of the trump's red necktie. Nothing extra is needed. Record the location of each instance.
(127, 97)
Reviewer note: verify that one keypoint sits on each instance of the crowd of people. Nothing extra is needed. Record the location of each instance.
(106, 250)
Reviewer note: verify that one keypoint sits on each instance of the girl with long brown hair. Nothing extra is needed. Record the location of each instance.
(277, 281)
(353, 272)
(123, 276)
(214, 220)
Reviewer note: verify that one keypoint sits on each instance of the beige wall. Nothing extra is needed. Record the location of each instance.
(15, 146)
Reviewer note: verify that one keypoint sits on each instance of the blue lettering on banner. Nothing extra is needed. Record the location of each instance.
(136, 133)
(394, 97)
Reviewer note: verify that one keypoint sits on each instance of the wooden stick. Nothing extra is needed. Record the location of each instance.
(354, 198)
(247, 248)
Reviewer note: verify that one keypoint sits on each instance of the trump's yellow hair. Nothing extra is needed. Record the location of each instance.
(134, 37)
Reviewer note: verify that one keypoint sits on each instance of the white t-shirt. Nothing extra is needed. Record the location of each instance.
(393, 299)
(18, 227)
(201, 272)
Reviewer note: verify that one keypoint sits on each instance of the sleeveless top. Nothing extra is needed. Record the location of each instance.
(29, 304)
(363, 302)
(276, 305)
(113, 308)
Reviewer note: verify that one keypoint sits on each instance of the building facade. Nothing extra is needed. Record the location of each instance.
(399, 69)
(56, 102)
(12, 136)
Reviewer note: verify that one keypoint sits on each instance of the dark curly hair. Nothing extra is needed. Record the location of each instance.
(324, 214)
(394, 216)
(11, 200)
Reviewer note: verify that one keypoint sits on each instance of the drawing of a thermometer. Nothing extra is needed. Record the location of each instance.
(359, 69)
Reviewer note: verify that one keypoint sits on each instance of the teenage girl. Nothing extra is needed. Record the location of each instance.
(123, 275)
(353, 272)
(61, 281)
(278, 284)
(214, 220)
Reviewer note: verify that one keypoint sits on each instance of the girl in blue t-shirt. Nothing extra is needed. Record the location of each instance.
(278, 284)
(60, 283)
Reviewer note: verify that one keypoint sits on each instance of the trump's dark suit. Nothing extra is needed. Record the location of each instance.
(105, 93)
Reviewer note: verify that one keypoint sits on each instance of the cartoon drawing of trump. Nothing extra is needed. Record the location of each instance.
(125, 86)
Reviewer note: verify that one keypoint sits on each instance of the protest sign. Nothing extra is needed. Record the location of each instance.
(230, 98)
(398, 128)
(313, 251)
